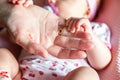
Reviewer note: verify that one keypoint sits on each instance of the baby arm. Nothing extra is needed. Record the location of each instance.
(25, 3)
(98, 54)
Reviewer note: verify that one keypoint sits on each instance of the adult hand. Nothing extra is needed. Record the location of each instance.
(33, 28)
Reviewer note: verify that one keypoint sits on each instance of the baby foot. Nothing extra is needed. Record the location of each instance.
(25, 3)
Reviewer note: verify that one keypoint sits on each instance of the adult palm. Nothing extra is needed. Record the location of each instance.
(33, 28)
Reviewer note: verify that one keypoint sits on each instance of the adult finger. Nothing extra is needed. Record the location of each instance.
(21, 1)
(28, 3)
(35, 48)
(83, 35)
(65, 53)
(68, 42)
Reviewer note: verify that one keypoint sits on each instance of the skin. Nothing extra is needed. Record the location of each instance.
(92, 45)
(37, 44)
(16, 33)
(58, 51)
(31, 43)
(69, 9)
(79, 48)
(88, 42)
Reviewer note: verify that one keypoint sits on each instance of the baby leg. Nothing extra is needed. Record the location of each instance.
(82, 73)
(9, 67)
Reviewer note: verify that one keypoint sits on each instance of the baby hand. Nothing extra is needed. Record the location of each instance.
(75, 38)
(78, 24)
(25, 3)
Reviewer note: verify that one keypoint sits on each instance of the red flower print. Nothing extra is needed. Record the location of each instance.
(24, 78)
(4, 74)
(26, 68)
(54, 63)
(76, 64)
(32, 75)
(41, 72)
(54, 74)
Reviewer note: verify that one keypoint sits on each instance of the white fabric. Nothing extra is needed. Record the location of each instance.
(35, 67)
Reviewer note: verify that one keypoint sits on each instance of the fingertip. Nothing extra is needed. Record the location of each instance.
(25, 5)
(21, 2)
(72, 30)
(35, 48)
(14, 1)
(42, 53)
(28, 3)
